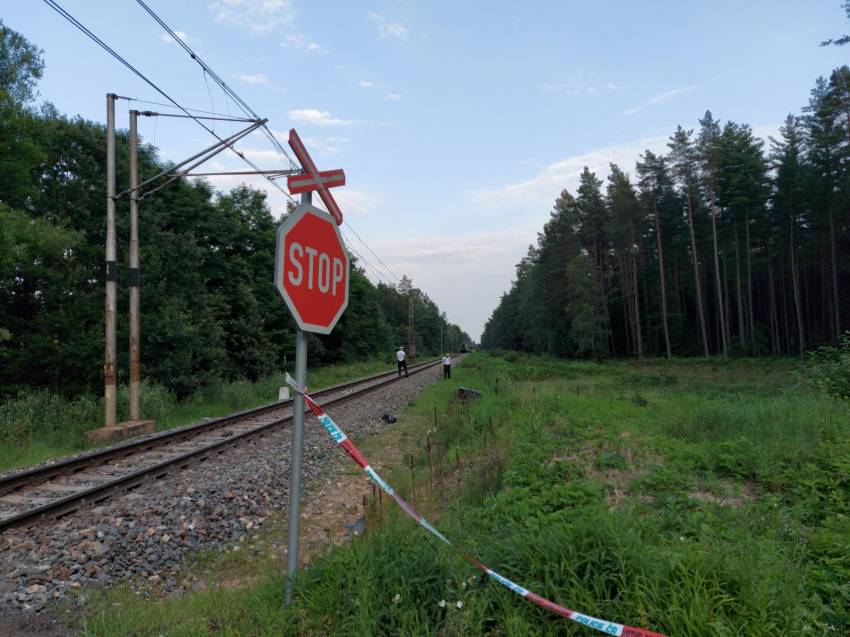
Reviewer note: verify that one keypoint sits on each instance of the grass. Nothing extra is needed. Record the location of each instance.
(42, 425)
(695, 498)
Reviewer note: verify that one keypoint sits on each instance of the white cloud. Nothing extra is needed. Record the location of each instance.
(655, 99)
(539, 192)
(301, 42)
(258, 16)
(388, 29)
(356, 202)
(465, 275)
(373, 85)
(317, 146)
(326, 146)
(317, 117)
(168, 39)
(254, 78)
(578, 87)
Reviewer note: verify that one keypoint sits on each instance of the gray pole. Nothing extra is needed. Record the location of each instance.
(134, 268)
(297, 452)
(111, 270)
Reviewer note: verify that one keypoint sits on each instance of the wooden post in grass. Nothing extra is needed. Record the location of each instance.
(412, 480)
(430, 470)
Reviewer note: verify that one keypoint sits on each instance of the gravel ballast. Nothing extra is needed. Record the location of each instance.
(143, 537)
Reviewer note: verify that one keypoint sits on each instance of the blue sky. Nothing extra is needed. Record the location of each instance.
(457, 123)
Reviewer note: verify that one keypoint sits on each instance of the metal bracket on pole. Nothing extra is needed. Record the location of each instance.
(201, 157)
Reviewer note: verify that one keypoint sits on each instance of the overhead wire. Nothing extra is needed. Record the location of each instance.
(381, 261)
(379, 277)
(228, 92)
(216, 78)
(85, 30)
(164, 105)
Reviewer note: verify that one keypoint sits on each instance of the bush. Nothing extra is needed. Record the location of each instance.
(828, 369)
(43, 414)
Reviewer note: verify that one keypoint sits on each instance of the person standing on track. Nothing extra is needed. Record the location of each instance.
(447, 366)
(401, 357)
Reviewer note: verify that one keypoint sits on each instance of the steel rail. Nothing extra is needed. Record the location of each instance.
(98, 493)
(42, 473)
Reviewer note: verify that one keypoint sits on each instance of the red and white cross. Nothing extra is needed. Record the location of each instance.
(313, 179)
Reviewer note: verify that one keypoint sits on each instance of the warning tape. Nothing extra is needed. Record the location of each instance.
(602, 625)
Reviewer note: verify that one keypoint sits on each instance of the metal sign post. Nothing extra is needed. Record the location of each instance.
(311, 277)
(297, 452)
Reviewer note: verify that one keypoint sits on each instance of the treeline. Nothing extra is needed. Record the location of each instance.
(209, 308)
(725, 244)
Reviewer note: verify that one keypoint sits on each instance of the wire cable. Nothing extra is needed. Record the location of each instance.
(193, 110)
(377, 273)
(381, 261)
(65, 14)
(217, 79)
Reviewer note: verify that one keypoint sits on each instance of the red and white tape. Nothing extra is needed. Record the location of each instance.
(602, 625)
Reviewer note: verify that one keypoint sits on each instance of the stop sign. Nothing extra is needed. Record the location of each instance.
(311, 269)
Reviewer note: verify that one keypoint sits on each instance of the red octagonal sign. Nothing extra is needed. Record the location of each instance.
(311, 269)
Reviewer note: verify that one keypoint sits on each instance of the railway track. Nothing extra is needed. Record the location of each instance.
(57, 489)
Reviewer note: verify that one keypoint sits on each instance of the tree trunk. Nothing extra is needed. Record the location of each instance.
(774, 318)
(696, 273)
(721, 314)
(727, 307)
(786, 323)
(806, 295)
(750, 287)
(825, 308)
(661, 279)
(796, 285)
(835, 309)
(742, 336)
(637, 308)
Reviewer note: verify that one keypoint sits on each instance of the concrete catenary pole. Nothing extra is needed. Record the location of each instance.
(109, 371)
(134, 268)
(297, 452)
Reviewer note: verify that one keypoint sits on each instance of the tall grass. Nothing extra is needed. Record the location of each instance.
(620, 497)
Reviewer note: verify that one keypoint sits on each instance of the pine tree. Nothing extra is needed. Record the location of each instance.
(790, 178)
(653, 182)
(683, 158)
(708, 148)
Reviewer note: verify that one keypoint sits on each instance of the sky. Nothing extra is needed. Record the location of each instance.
(457, 123)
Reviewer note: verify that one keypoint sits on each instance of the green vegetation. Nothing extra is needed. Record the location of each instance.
(829, 369)
(39, 425)
(724, 245)
(210, 310)
(692, 497)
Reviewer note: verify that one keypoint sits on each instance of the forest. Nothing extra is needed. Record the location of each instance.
(210, 312)
(725, 244)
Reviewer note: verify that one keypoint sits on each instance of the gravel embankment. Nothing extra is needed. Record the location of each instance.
(144, 536)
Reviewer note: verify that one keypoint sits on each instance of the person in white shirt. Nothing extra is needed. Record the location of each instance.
(401, 357)
(447, 366)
